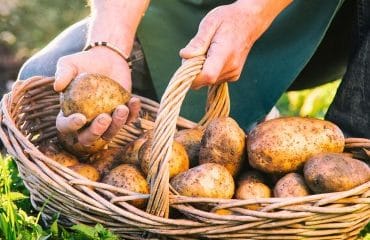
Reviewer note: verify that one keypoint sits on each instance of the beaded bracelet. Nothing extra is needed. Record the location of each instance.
(111, 47)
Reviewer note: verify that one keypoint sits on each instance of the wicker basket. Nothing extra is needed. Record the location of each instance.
(28, 116)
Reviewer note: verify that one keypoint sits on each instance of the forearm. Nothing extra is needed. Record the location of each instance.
(116, 21)
(268, 10)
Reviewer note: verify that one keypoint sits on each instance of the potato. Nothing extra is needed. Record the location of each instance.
(131, 150)
(251, 185)
(106, 159)
(70, 143)
(129, 177)
(333, 172)
(208, 180)
(223, 212)
(91, 95)
(62, 157)
(87, 171)
(283, 145)
(190, 139)
(223, 142)
(291, 185)
(251, 176)
(178, 163)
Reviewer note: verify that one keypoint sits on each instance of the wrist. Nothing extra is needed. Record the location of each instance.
(264, 8)
(263, 12)
(116, 22)
(110, 47)
(106, 54)
(112, 30)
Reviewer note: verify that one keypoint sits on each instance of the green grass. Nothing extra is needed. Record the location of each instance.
(18, 221)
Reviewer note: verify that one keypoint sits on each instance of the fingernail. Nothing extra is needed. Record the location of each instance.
(58, 73)
(121, 112)
(103, 120)
(78, 120)
(58, 77)
(187, 49)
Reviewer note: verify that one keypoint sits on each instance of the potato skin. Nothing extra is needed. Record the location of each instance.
(131, 151)
(251, 176)
(91, 95)
(106, 159)
(129, 177)
(333, 172)
(223, 212)
(283, 145)
(178, 163)
(252, 185)
(87, 171)
(191, 140)
(223, 142)
(209, 180)
(291, 185)
(71, 144)
(62, 157)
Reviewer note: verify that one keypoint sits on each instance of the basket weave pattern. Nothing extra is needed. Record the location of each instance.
(28, 116)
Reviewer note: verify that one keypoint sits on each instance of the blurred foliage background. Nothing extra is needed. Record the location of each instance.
(27, 25)
(310, 102)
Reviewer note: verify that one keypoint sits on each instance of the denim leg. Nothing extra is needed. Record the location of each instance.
(43, 63)
(351, 106)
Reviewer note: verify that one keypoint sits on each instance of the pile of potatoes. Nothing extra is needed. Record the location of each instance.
(283, 157)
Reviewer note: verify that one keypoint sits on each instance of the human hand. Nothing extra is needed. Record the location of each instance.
(103, 61)
(226, 35)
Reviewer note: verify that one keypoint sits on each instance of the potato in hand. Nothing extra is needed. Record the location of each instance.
(91, 95)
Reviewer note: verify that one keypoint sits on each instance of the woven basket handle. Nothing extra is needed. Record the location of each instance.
(218, 104)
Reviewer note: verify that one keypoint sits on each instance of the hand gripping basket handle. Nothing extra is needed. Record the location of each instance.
(218, 104)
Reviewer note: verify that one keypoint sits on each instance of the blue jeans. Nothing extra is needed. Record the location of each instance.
(351, 106)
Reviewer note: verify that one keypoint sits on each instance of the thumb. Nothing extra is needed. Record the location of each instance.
(202, 40)
(64, 74)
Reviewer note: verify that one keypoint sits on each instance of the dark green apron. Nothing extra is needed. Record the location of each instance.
(274, 62)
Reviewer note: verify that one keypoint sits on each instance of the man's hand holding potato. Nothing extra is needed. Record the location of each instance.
(110, 25)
